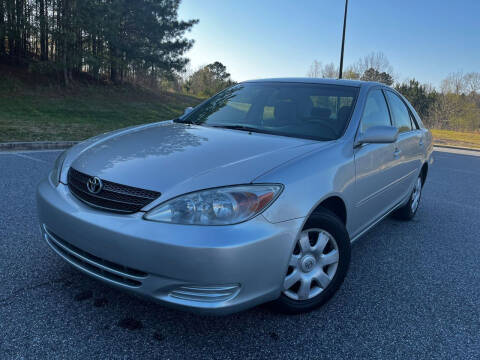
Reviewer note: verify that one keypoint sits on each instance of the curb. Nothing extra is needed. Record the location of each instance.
(36, 145)
(455, 147)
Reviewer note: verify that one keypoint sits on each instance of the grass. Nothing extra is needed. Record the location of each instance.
(456, 138)
(34, 110)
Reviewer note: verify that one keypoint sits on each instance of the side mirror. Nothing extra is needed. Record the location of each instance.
(378, 135)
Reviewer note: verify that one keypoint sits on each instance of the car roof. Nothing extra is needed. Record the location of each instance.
(345, 82)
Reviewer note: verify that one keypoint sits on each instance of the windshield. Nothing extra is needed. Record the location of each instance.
(311, 111)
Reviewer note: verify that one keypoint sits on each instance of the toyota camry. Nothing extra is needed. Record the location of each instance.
(253, 196)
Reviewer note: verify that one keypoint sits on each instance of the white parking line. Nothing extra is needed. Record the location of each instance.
(457, 151)
(30, 158)
(23, 154)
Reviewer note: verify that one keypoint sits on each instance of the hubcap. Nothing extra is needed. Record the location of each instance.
(312, 265)
(308, 262)
(417, 191)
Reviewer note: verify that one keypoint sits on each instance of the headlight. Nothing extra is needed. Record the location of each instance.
(219, 206)
(57, 168)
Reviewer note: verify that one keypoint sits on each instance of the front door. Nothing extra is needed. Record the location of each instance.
(376, 187)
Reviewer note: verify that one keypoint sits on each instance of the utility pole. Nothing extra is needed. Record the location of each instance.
(343, 40)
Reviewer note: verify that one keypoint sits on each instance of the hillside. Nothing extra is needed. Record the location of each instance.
(34, 107)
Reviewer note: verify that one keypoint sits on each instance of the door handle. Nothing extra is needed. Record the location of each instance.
(397, 153)
(420, 143)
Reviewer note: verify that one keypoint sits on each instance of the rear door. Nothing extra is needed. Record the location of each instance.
(376, 177)
(409, 146)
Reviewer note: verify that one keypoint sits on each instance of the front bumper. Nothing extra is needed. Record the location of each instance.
(208, 269)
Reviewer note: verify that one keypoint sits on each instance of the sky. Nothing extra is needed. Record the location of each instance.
(424, 39)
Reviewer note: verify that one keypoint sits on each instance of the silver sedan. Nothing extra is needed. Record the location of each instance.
(253, 196)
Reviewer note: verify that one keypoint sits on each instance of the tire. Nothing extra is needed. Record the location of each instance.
(313, 258)
(408, 211)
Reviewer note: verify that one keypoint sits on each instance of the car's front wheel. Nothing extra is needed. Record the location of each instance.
(318, 264)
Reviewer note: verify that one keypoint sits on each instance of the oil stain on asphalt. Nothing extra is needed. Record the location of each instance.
(84, 295)
(130, 324)
(100, 302)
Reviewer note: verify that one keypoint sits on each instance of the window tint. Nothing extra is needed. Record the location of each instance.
(401, 116)
(376, 111)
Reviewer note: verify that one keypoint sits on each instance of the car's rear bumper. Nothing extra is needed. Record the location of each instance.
(211, 269)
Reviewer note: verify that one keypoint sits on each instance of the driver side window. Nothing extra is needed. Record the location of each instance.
(375, 112)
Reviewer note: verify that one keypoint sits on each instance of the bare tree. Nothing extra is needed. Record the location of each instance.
(454, 83)
(351, 74)
(315, 69)
(375, 60)
(472, 82)
(330, 71)
(187, 72)
(429, 88)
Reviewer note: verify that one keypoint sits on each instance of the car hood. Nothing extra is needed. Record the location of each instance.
(175, 158)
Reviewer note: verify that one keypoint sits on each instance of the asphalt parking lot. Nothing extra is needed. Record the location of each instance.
(413, 290)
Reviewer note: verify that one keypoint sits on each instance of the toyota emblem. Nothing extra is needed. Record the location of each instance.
(94, 185)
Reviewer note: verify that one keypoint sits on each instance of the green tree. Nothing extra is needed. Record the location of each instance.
(146, 36)
(374, 75)
(209, 80)
(115, 39)
(418, 95)
(218, 72)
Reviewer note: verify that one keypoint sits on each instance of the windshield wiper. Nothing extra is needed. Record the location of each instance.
(242, 128)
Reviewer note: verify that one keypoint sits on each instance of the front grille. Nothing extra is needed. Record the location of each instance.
(112, 197)
(93, 264)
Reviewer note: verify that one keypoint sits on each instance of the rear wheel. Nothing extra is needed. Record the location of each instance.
(408, 211)
(317, 265)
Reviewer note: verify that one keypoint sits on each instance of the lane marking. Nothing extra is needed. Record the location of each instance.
(457, 151)
(448, 157)
(31, 158)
